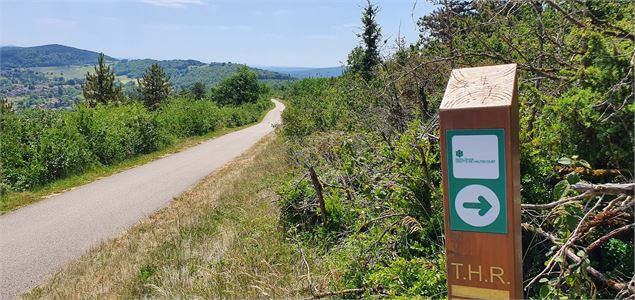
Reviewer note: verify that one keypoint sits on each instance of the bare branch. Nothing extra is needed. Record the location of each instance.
(582, 196)
(618, 286)
(319, 193)
(607, 188)
(609, 236)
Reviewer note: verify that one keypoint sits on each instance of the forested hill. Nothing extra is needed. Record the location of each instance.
(51, 75)
(184, 73)
(46, 56)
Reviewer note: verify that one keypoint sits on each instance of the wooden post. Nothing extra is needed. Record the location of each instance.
(481, 183)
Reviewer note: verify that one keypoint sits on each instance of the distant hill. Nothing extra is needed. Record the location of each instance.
(304, 72)
(46, 56)
(51, 75)
(184, 73)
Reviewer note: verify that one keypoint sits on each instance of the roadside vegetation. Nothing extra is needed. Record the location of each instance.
(367, 195)
(346, 202)
(39, 147)
(219, 240)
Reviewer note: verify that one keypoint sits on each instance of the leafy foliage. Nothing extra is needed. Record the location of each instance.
(198, 90)
(242, 87)
(38, 146)
(373, 144)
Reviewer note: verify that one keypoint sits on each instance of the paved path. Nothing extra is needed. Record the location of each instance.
(40, 239)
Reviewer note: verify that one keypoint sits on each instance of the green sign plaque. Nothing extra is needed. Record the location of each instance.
(476, 163)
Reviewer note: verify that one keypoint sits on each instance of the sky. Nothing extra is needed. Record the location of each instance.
(301, 33)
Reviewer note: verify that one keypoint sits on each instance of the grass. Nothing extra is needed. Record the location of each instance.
(67, 72)
(14, 200)
(73, 72)
(218, 240)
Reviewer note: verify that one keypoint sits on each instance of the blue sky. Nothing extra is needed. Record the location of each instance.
(267, 32)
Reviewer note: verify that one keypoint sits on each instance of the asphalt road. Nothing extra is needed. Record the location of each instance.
(40, 239)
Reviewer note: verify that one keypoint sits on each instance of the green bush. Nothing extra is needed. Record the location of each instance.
(41, 145)
(183, 117)
(38, 146)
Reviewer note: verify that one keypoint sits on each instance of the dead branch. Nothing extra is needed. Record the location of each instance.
(608, 236)
(565, 247)
(606, 188)
(618, 286)
(308, 272)
(582, 196)
(365, 226)
(340, 293)
(319, 193)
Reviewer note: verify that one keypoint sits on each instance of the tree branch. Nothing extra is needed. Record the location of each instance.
(319, 193)
(606, 188)
(584, 195)
(618, 286)
(609, 236)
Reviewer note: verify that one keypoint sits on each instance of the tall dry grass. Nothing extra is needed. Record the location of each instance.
(218, 240)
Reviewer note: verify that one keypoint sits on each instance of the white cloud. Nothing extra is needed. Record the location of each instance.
(173, 3)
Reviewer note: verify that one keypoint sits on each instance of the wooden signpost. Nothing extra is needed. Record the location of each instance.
(481, 183)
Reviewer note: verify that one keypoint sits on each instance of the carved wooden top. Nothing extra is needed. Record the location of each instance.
(480, 86)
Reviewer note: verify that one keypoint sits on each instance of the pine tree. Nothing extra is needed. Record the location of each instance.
(100, 87)
(154, 87)
(198, 90)
(364, 58)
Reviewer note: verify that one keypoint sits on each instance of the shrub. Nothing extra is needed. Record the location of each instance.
(38, 146)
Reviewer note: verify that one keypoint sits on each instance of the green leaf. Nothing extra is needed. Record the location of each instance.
(543, 280)
(561, 189)
(544, 291)
(573, 178)
(585, 164)
(565, 161)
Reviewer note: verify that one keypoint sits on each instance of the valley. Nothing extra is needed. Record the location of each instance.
(50, 76)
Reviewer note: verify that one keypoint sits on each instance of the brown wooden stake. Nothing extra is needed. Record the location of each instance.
(481, 183)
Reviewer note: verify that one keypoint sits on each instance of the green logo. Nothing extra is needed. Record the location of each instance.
(459, 153)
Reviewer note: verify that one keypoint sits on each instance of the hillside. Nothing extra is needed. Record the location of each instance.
(184, 73)
(46, 56)
(51, 75)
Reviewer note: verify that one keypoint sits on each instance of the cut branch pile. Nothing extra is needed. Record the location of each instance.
(572, 250)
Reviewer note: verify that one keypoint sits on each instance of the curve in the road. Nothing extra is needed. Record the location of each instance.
(39, 239)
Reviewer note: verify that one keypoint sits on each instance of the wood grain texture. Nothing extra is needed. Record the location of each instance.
(480, 87)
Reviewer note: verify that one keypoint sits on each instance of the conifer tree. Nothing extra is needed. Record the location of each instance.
(364, 58)
(198, 90)
(100, 87)
(154, 87)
